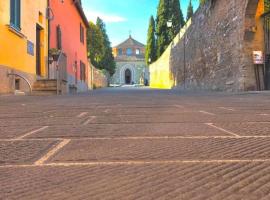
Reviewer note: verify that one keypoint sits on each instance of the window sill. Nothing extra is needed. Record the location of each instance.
(16, 31)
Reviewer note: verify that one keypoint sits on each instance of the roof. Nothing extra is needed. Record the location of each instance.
(130, 42)
(78, 5)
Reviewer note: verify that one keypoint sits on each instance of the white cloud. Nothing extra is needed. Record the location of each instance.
(108, 18)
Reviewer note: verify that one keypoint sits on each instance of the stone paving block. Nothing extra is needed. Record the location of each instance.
(41, 121)
(129, 130)
(23, 152)
(164, 149)
(247, 128)
(249, 181)
(12, 132)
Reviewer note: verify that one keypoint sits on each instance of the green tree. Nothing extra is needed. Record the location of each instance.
(162, 30)
(150, 53)
(190, 10)
(168, 11)
(95, 45)
(107, 61)
(177, 18)
(267, 5)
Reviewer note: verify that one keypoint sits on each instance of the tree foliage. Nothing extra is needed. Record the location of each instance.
(161, 26)
(177, 18)
(95, 45)
(107, 60)
(190, 11)
(168, 11)
(150, 54)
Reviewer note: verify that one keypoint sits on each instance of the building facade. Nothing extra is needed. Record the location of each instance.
(130, 64)
(68, 25)
(23, 43)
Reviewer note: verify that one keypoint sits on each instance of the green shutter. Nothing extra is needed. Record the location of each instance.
(18, 14)
(15, 14)
(12, 12)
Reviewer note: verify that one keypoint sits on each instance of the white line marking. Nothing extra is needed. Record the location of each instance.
(221, 129)
(264, 114)
(42, 160)
(179, 106)
(89, 120)
(139, 138)
(229, 109)
(138, 162)
(82, 114)
(31, 133)
(107, 110)
(207, 113)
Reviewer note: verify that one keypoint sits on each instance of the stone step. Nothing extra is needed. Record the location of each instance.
(44, 84)
(43, 93)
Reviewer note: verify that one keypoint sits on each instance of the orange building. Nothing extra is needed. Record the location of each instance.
(68, 25)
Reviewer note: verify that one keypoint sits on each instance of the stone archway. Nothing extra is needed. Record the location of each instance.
(123, 75)
(253, 40)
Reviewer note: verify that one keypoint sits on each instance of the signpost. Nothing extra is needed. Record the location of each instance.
(258, 61)
(258, 58)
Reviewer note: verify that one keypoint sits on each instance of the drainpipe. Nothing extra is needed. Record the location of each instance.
(49, 36)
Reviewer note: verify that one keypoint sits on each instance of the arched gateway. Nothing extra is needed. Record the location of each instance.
(257, 38)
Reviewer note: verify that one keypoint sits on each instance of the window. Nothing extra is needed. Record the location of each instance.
(15, 14)
(120, 52)
(58, 37)
(137, 51)
(82, 71)
(81, 33)
(129, 51)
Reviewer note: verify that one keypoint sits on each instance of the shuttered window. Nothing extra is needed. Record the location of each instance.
(82, 71)
(81, 33)
(59, 37)
(15, 14)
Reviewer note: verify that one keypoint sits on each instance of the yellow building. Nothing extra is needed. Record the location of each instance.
(23, 43)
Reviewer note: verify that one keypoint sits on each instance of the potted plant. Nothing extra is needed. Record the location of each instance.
(54, 53)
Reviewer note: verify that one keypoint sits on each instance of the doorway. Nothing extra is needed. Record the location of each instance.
(38, 50)
(128, 77)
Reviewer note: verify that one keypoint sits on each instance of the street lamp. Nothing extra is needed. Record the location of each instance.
(169, 23)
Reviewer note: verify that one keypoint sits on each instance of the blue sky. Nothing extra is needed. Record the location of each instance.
(123, 16)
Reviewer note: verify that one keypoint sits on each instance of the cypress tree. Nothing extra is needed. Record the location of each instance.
(177, 18)
(107, 61)
(151, 42)
(162, 30)
(189, 11)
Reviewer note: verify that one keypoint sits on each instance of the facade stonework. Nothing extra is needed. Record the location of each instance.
(216, 51)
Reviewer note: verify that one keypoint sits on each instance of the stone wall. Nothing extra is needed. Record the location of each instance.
(7, 83)
(162, 72)
(100, 79)
(215, 52)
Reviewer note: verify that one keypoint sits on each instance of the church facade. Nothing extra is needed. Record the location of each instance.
(130, 64)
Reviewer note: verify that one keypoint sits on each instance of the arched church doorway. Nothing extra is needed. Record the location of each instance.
(128, 77)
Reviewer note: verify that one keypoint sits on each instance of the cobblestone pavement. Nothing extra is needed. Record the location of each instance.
(135, 144)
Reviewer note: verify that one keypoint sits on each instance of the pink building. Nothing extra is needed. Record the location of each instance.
(67, 32)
